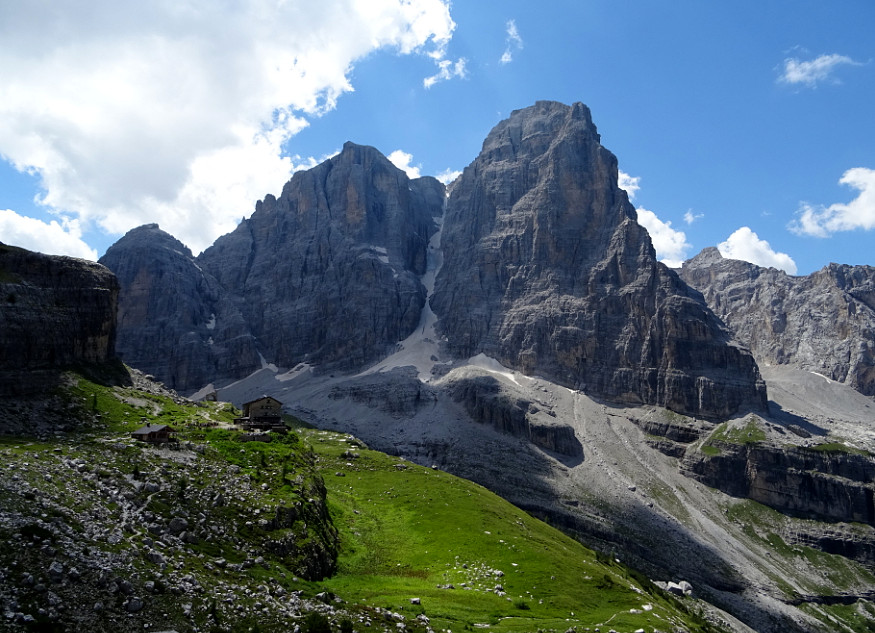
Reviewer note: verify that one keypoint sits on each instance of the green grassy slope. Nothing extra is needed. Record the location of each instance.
(472, 559)
(85, 520)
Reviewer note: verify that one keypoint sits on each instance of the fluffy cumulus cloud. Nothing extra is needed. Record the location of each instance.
(746, 245)
(810, 73)
(401, 160)
(512, 42)
(628, 183)
(178, 112)
(671, 245)
(62, 237)
(859, 213)
(448, 175)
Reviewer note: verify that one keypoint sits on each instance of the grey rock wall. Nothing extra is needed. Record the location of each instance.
(175, 321)
(829, 486)
(823, 322)
(55, 313)
(328, 272)
(547, 270)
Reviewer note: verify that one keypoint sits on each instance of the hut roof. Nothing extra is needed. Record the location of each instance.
(154, 428)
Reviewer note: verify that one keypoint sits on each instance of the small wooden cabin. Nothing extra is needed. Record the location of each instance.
(155, 433)
(264, 414)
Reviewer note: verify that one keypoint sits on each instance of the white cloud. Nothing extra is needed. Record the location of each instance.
(859, 213)
(53, 238)
(448, 175)
(447, 69)
(629, 183)
(690, 217)
(671, 245)
(401, 160)
(513, 42)
(746, 245)
(177, 112)
(809, 73)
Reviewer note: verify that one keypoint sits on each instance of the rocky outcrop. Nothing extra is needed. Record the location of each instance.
(487, 403)
(55, 313)
(326, 273)
(329, 271)
(547, 270)
(818, 484)
(398, 393)
(824, 322)
(175, 321)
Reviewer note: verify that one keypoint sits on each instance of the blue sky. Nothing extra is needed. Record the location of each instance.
(744, 125)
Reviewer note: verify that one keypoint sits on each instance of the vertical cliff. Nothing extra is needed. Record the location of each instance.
(329, 271)
(55, 313)
(175, 321)
(823, 322)
(547, 270)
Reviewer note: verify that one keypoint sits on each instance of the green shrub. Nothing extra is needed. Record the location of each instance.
(316, 623)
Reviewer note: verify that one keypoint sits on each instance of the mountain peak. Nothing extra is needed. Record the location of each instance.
(565, 281)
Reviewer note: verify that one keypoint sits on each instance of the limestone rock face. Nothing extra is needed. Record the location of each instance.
(175, 321)
(824, 322)
(55, 312)
(329, 272)
(547, 270)
(487, 403)
(829, 486)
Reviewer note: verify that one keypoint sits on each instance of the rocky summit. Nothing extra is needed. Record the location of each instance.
(175, 321)
(823, 322)
(547, 270)
(327, 273)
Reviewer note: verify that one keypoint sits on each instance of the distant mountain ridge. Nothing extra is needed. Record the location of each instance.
(545, 269)
(823, 322)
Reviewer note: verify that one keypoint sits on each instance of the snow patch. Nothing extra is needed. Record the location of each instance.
(297, 371)
(381, 252)
(420, 349)
(266, 365)
(494, 367)
(826, 378)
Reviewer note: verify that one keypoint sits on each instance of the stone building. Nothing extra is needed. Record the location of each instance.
(264, 414)
(155, 433)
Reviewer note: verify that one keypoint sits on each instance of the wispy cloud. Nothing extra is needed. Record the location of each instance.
(179, 114)
(513, 42)
(447, 69)
(809, 73)
(746, 245)
(859, 213)
(690, 217)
